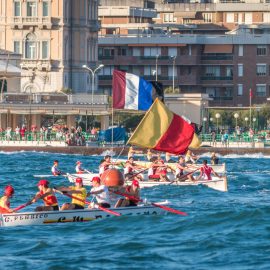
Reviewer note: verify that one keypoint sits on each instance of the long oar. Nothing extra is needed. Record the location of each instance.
(100, 207)
(136, 199)
(20, 207)
(183, 176)
(131, 177)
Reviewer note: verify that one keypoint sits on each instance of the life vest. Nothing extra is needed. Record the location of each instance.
(49, 200)
(206, 170)
(81, 196)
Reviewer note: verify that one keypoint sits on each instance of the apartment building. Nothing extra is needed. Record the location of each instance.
(220, 48)
(55, 39)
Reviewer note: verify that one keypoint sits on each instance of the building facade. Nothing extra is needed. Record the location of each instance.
(55, 39)
(220, 48)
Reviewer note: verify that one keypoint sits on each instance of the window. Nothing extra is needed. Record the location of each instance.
(152, 51)
(248, 18)
(31, 9)
(240, 18)
(170, 71)
(261, 50)
(261, 90)
(151, 70)
(266, 17)
(136, 52)
(240, 70)
(207, 17)
(240, 50)
(172, 51)
(168, 17)
(240, 90)
(189, 50)
(261, 69)
(45, 50)
(17, 47)
(17, 9)
(122, 51)
(230, 17)
(45, 9)
(106, 70)
(30, 47)
(212, 71)
(229, 71)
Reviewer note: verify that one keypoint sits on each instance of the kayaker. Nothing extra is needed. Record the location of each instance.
(79, 168)
(100, 193)
(214, 159)
(47, 195)
(133, 191)
(206, 172)
(78, 192)
(181, 167)
(5, 200)
(55, 170)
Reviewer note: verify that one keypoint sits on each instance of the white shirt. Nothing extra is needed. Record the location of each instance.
(103, 196)
(78, 168)
(55, 170)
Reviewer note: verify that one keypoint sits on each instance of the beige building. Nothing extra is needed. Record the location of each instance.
(54, 38)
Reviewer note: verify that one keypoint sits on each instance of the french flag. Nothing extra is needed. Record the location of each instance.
(131, 92)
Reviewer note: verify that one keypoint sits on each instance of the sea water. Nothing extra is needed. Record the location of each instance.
(222, 230)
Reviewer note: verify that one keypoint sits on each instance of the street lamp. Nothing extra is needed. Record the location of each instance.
(93, 76)
(204, 124)
(254, 120)
(217, 117)
(173, 57)
(246, 119)
(236, 116)
(157, 56)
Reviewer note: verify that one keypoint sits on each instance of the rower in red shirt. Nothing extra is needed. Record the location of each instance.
(206, 172)
(5, 200)
(47, 195)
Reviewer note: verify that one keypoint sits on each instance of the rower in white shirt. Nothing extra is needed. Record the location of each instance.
(100, 192)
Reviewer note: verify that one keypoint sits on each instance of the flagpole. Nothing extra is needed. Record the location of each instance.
(250, 96)
(112, 122)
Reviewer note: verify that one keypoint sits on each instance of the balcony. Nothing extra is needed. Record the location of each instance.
(39, 64)
(216, 57)
(217, 78)
(222, 98)
(41, 22)
(105, 57)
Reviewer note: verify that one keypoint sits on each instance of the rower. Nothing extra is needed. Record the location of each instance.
(132, 191)
(55, 170)
(130, 167)
(5, 200)
(100, 192)
(181, 167)
(214, 159)
(105, 164)
(78, 168)
(78, 193)
(190, 157)
(47, 195)
(131, 152)
(158, 170)
(206, 171)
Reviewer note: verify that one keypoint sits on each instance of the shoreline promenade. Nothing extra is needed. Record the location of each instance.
(61, 147)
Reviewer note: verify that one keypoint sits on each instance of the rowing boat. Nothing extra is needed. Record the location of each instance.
(216, 183)
(52, 217)
(219, 168)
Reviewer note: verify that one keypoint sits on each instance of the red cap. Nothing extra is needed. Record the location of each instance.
(78, 180)
(135, 183)
(43, 183)
(96, 178)
(78, 162)
(9, 190)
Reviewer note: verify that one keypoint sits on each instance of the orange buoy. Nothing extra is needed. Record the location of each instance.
(112, 178)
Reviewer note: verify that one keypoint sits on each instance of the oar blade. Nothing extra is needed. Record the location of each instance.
(169, 209)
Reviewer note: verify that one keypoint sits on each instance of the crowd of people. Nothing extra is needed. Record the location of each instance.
(72, 135)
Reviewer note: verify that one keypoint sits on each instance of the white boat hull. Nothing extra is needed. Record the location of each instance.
(52, 217)
(219, 184)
